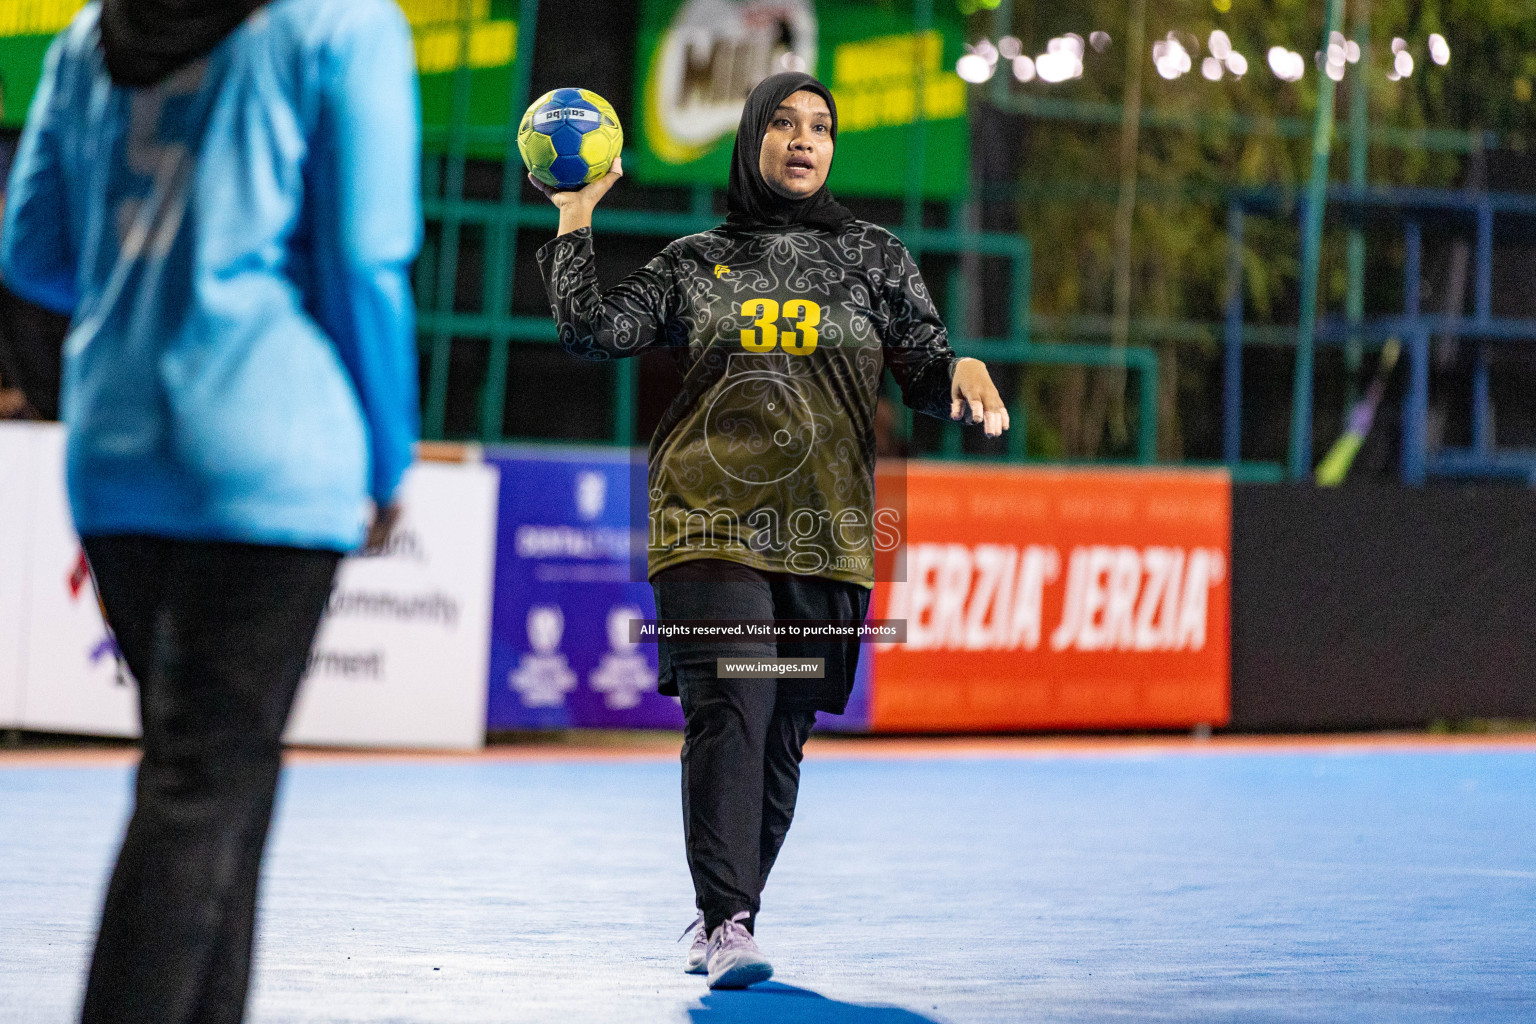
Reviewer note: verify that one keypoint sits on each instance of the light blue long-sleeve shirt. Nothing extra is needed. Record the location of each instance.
(233, 245)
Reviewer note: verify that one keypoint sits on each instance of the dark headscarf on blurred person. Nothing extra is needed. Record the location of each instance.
(147, 41)
(751, 204)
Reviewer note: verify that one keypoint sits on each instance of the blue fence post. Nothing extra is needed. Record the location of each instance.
(1416, 407)
(1232, 384)
(1482, 406)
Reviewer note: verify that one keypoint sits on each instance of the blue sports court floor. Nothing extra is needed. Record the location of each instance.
(1002, 882)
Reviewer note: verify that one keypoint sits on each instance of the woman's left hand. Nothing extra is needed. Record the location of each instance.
(974, 398)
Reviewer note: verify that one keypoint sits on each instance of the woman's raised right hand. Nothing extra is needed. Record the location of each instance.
(576, 205)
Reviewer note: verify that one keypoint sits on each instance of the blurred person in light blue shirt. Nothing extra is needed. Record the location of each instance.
(222, 194)
(233, 245)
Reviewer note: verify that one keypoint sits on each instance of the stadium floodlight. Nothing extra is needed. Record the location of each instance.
(1099, 41)
(1399, 44)
(1211, 69)
(1024, 68)
(973, 68)
(1439, 49)
(1403, 63)
(1220, 45)
(986, 51)
(1009, 47)
(1352, 52)
(1237, 64)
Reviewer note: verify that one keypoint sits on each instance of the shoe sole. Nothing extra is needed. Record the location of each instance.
(743, 975)
(702, 967)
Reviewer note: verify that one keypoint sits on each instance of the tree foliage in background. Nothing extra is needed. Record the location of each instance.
(1179, 251)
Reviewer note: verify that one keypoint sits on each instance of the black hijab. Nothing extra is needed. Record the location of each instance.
(751, 203)
(147, 41)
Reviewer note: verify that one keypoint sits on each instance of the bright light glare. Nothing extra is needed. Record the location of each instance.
(987, 51)
(1170, 58)
(1220, 45)
(1023, 68)
(1210, 69)
(1237, 64)
(1403, 63)
(1056, 67)
(1352, 52)
(1062, 59)
(1334, 71)
(1287, 65)
(1399, 44)
(973, 68)
(1439, 49)
(1099, 41)
(1009, 47)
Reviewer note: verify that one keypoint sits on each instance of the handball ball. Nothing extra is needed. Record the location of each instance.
(569, 138)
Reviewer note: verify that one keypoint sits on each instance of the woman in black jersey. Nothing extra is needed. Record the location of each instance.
(762, 469)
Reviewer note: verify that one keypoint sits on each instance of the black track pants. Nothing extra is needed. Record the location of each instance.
(741, 774)
(217, 636)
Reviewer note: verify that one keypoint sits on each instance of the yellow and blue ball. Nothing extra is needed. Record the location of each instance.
(569, 138)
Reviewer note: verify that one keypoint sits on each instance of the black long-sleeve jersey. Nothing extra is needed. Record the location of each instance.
(767, 455)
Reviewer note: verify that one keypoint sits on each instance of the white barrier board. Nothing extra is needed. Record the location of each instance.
(401, 656)
(71, 681)
(17, 479)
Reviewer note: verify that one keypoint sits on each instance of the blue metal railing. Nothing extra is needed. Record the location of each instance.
(1409, 208)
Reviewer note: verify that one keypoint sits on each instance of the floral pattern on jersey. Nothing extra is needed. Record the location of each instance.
(764, 457)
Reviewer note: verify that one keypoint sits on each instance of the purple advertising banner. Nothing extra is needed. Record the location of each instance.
(560, 651)
(565, 591)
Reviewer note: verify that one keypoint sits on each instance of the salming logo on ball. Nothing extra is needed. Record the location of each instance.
(546, 117)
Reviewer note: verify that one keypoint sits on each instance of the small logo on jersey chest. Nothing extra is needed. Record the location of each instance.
(721, 270)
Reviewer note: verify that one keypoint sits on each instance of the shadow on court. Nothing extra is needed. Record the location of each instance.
(785, 1004)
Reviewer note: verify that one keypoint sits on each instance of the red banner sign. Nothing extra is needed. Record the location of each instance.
(1058, 599)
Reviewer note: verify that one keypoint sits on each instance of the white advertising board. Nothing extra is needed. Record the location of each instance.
(17, 480)
(71, 681)
(400, 660)
(401, 657)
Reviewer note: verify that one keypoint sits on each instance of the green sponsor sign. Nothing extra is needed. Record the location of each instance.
(26, 29)
(698, 59)
(449, 34)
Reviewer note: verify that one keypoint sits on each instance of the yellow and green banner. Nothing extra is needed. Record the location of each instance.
(478, 34)
(698, 59)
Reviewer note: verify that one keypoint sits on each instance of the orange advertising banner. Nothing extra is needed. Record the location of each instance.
(1058, 599)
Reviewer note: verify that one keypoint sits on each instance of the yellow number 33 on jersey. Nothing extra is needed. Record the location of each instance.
(767, 334)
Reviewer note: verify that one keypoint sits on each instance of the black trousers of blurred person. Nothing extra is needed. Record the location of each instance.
(744, 738)
(217, 636)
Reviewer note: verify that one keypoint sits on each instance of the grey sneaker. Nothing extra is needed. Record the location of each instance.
(733, 957)
(698, 952)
